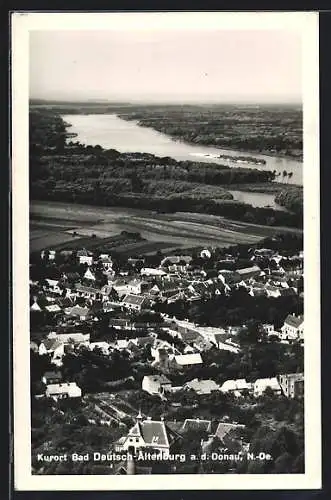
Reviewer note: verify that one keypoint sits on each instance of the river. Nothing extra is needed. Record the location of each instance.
(110, 131)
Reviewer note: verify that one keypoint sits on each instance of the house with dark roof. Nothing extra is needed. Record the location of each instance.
(51, 377)
(196, 424)
(135, 302)
(231, 436)
(146, 434)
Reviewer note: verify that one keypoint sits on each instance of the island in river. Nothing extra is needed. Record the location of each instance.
(64, 170)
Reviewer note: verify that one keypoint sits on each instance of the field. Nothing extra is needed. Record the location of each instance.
(157, 231)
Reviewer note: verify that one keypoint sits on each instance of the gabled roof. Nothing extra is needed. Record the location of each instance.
(225, 428)
(153, 432)
(195, 424)
(293, 320)
(51, 344)
(77, 311)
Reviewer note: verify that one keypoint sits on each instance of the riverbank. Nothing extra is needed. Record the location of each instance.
(91, 174)
(232, 148)
(126, 136)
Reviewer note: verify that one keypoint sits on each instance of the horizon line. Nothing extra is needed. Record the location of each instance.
(95, 101)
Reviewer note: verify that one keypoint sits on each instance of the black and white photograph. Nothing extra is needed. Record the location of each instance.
(166, 250)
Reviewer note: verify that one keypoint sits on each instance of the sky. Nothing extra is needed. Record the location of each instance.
(169, 65)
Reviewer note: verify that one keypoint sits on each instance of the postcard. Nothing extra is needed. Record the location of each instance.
(165, 210)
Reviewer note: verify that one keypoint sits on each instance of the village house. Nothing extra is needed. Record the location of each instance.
(48, 254)
(53, 308)
(63, 390)
(270, 329)
(89, 275)
(196, 424)
(53, 286)
(176, 263)
(35, 307)
(201, 345)
(51, 377)
(201, 386)
(226, 344)
(106, 262)
(107, 292)
(51, 346)
(183, 361)
(262, 384)
(292, 384)
(146, 434)
(137, 286)
(87, 292)
(231, 436)
(292, 328)
(135, 302)
(150, 271)
(103, 346)
(160, 347)
(120, 285)
(84, 257)
(81, 313)
(156, 384)
(273, 291)
(236, 387)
